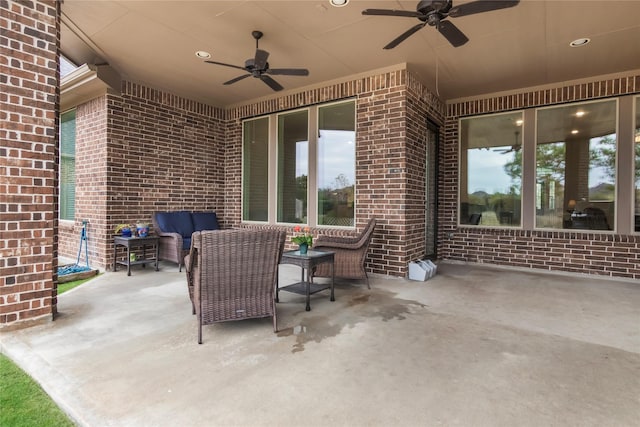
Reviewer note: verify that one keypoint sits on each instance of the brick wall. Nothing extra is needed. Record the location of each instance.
(391, 111)
(421, 104)
(142, 151)
(148, 150)
(570, 251)
(91, 185)
(29, 157)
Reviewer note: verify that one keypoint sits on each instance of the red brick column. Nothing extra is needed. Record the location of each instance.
(28, 161)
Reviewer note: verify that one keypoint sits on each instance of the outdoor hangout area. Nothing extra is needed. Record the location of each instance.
(327, 212)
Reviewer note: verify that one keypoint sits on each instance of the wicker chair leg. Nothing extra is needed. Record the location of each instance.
(366, 277)
(199, 329)
(275, 322)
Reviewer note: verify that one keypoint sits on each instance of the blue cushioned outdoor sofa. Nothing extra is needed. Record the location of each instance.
(175, 230)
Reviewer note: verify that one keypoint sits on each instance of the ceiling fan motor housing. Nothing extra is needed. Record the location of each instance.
(427, 7)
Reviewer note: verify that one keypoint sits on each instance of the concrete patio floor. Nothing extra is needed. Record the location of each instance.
(472, 346)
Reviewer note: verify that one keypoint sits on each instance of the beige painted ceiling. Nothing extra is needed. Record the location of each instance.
(154, 42)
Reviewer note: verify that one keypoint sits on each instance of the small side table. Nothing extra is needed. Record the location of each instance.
(307, 262)
(135, 242)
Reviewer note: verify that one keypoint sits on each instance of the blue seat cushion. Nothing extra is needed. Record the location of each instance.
(205, 221)
(186, 243)
(175, 222)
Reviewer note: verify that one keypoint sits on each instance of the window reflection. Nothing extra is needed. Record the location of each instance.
(336, 164)
(491, 170)
(293, 166)
(576, 166)
(255, 182)
(68, 165)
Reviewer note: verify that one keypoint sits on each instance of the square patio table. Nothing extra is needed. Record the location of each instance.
(134, 242)
(307, 262)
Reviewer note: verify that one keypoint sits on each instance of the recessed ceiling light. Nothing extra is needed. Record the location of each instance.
(202, 54)
(579, 42)
(338, 3)
(575, 131)
(580, 113)
(519, 122)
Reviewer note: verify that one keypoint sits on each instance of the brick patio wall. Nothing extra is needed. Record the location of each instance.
(91, 185)
(570, 251)
(28, 161)
(421, 104)
(149, 150)
(391, 108)
(142, 151)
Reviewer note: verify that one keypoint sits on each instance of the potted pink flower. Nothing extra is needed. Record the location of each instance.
(302, 238)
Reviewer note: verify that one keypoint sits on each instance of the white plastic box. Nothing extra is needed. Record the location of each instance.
(422, 270)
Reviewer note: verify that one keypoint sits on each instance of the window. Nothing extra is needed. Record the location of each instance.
(66, 66)
(312, 177)
(67, 165)
(336, 164)
(491, 170)
(255, 173)
(637, 164)
(293, 166)
(576, 166)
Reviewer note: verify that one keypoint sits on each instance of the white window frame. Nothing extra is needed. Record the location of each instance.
(312, 184)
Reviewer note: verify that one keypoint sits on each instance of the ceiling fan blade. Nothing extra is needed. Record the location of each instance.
(237, 79)
(271, 83)
(402, 37)
(226, 65)
(481, 6)
(452, 33)
(288, 71)
(260, 61)
(392, 12)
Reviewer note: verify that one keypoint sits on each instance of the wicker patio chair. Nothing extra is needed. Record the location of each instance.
(171, 246)
(350, 254)
(232, 275)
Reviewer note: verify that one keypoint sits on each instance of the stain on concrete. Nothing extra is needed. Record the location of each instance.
(354, 307)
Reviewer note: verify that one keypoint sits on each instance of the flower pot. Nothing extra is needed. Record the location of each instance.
(143, 230)
(126, 232)
(303, 248)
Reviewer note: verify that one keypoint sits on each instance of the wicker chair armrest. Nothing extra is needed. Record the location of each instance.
(338, 242)
(191, 260)
(171, 239)
(168, 234)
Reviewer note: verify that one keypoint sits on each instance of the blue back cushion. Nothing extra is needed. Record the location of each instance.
(205, 221)
(175, 222)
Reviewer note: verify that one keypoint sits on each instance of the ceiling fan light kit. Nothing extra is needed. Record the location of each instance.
(435, 12)
(338, 3)
(258, 67)
(202, 54)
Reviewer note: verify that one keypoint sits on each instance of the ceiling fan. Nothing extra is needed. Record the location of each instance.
(514, 148)
(258, 67)
(434, 13)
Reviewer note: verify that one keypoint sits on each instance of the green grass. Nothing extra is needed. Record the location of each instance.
(23, 402)
(64, 287)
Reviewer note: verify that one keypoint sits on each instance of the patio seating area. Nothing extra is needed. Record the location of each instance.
(471, 346)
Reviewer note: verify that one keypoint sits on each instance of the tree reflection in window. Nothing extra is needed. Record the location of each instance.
(576, 166)
(491, 169)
